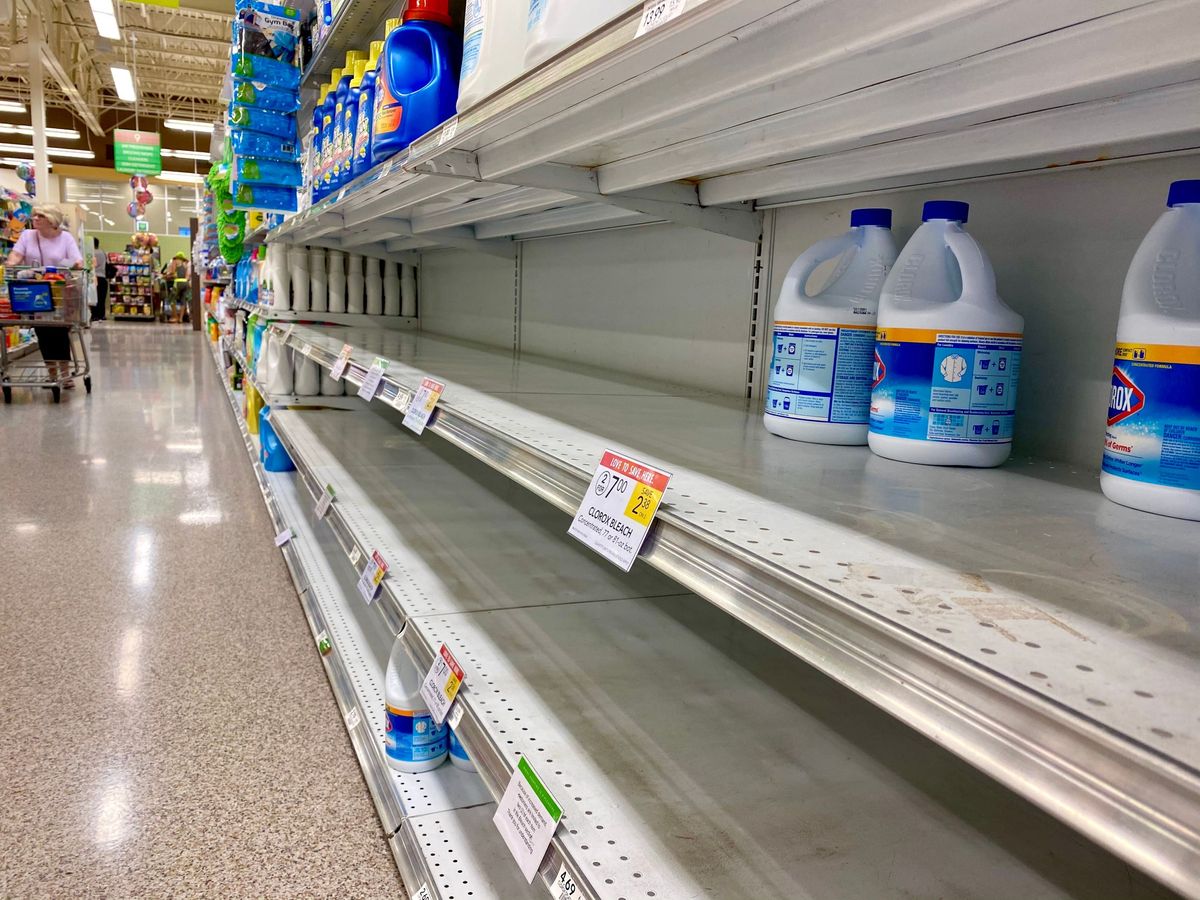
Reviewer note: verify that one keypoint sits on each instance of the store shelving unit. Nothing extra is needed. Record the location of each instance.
(132, 290)
(399, 323)
(1013, 617)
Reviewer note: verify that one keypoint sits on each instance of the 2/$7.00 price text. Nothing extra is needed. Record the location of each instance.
(641, 504)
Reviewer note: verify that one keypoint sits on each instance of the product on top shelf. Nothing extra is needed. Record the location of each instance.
(363, 159)
(324, 141)
(350, 116)
(553, 25)
(493, 47)
(264, 196)
(374, 287)
(269, 31)
(267, 171)
(413, 742)
(819, 383)
(262, 96)
(391, 289)
(947, 351)
(276, 124)
(341, 95)
(262, 69)
(261, 146)
(355, 285)
(1152, 442)
(417, 85)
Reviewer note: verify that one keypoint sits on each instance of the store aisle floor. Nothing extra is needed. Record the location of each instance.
(167, 728)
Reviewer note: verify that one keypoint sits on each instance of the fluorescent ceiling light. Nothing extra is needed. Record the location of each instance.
(106, 19)
(13, 161)
(50, 151)
(12, 106)
(188, 125)
(67, 134)
(85, 206)
(185, 177)
(123, 82)
(185, 154)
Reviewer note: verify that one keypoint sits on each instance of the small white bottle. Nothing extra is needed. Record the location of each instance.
(299, 278)
(307, 375)
(819, 382)
(337, 281)
(458, 754)
(329, 387)
(374, 287)
(318, 280)
(408, 292)
(413, 741)
(277, 263)
(355, 286)
(391, 289)
(947, 351)
(1152, 441)
(280, 378)
(493, 47)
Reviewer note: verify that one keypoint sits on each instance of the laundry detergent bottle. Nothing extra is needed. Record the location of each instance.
(417, 84)
(947, 351)
(329, 107)
(819, 384)
(552, 25)
(413, 742)
(1152, 443)
(493, 47)
(362, 159)
(341, 101)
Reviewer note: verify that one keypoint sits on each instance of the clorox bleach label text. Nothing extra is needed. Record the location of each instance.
(821, 373)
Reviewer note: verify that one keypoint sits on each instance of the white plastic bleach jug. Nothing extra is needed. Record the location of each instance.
(947, 351)
(1152, 443)
(555, 24)
(413, 742)
(819, 384)
(493, 48)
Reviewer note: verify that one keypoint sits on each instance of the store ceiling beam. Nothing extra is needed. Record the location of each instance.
(62, 76)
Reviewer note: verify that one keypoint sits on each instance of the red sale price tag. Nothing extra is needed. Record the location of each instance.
(618, 507)
(442, 683)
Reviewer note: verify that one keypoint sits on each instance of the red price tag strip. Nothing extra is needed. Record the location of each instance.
(372, 576)
(338, 369)
(370, 384)
(659, 12)
(441, 684)
(526, 818)
(618, 507)
(420, 408)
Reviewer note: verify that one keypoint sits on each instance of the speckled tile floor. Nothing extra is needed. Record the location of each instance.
(167, 729)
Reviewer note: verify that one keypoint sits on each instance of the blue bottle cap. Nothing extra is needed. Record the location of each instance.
(871, 216)
(1184, 192)
(954, 210)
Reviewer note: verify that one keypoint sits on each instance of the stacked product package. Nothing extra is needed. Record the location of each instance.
(265, 168)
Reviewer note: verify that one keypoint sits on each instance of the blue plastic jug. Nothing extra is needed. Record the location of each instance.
(325, 141)
(362, 158)
(417, 86)
(350, 123)
(341, 98)
(273, 456)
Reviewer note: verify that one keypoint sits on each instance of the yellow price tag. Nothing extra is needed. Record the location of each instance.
(451, 688)
(643, 504)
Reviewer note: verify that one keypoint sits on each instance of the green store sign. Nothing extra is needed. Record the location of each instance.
(137, 152)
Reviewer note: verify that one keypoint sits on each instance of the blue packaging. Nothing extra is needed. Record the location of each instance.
(267, 171)
(273, 455)
(263, 69)
(361, 157)
(280, 126)
(264, 196)
(281, 100)
(261, 146)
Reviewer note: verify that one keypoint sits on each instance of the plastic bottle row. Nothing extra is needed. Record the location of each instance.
(280, 369)
(312, 279)
(915, 354)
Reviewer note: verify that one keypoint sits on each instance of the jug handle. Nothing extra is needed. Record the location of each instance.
(806, 263)
(978, 278)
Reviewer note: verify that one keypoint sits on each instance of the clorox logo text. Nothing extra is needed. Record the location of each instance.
(1126, 398)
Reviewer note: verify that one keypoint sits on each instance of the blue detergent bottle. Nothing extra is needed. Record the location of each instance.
(315, 151)
(350, 123)
(342, 97)
(417, 86)
(362, 159)
(327, 106)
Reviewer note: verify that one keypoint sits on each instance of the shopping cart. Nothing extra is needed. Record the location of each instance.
(45, 298)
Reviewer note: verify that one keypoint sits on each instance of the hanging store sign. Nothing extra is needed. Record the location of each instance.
(137, 152)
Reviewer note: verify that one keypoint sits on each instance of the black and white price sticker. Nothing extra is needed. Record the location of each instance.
(659, 12)
(618, 507)
(420, 408)
(449, 130)
(353, 718)
(325, 501)
(441, 684)
(423, 893)
(338, 369)
(370, 385)
(372, 576)
(564, 887)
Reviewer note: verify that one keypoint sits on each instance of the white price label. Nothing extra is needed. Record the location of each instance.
(564, 887)
(370, 384)
(287, 332)
(352, 718)
(338, 369)
(618, 507)
(455, 717)
(423, 894)
(420, 408)
(659, 12)
(526, 818)
(441, 684)
(355, 556)
(325, 501)
(283, 537)
(305, 349)
(449, 130)
(372, 576)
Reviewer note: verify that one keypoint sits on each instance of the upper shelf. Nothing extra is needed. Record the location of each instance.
(1063, 664)
(775, 101)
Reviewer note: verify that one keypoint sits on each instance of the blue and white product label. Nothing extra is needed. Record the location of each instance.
(537, 8)
(950, 387)
(1153, 432)
(414, 738)
(456, 748)
(475, 20)
(821, 373)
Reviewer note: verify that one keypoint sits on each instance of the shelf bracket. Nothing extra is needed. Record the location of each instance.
(458, 238)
